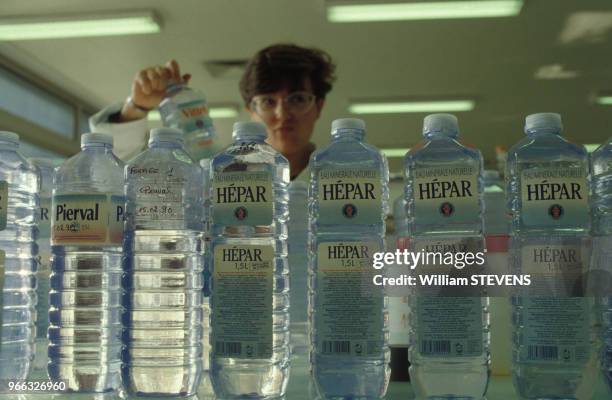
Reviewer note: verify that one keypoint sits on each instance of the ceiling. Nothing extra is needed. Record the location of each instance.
(491, 60)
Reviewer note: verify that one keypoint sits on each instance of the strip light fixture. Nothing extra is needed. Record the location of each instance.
(72, 26)
(411, 107)
(395, 153)
(213, 112)
(604, 100)
(397, 11)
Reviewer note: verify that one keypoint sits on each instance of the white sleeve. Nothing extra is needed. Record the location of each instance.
(129, 137)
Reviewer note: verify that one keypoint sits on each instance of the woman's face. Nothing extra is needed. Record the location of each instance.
(290, 117)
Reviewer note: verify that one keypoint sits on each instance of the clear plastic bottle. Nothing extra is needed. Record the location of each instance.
(45, 167)
(349, 325)
(399, 310)
(187, 109)
(298, 264)
(164, 263)
(547, 195)
(449, 336)
(249, 271)
(88, 207)
(206, 388)
(19, 184)
(602, 245)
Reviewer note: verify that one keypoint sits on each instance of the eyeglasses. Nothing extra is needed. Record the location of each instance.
(297, 103)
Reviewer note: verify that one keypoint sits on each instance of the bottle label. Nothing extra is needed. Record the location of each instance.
(449, 326)
(242, 198)
(242, 301)
(44, 222)
(349, 196)
(555, 269)
(158, 193)
(3, 204)
(555, 330)
(80, 219)
(554, 197)
(349, 320)
(194, 116)
(446, 195)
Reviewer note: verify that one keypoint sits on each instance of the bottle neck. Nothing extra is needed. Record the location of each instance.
(440, 135)
(97, 147)
(166, 145)
(245, 137)
(342, 134)
(543, 131)
(8, 145)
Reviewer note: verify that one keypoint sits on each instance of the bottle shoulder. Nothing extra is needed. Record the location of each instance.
(90, 171)
(247, 153)
(442, 151)
(164, 156)
(546, 147)
(348, 151)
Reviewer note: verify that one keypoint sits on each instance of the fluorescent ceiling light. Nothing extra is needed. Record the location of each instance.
(591, 147)
(604, 100)
(223, 112)
(395, 153)
(78, 26)
(213, 112)
(343, 12)
(412, 107)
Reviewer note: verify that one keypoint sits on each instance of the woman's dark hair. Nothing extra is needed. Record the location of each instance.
(287, 65)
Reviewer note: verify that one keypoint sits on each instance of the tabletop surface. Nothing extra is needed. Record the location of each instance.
(300, 388)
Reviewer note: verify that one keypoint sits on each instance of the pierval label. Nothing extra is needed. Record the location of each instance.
(87, 219)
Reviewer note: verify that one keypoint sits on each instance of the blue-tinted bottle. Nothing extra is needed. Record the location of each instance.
(164, 262)
(249, 272)
(548, 197)
(45, 167)
(19, 185)
(187, 109)
(601, 168)
(347, 202)
(88, 211)
(449, 336)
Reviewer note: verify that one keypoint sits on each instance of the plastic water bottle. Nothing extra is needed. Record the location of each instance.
(19, 183)
(187, 109)
(206, 388)
(164, 262)
(88, 207)
(347, 200)
(45, 168)
(602, 244)
(548, 198)
(298, 264)
(399, 310)
(496, 229)
(449, 336)
(250, 276)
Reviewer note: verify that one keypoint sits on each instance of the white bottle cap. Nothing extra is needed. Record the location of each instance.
(443, 124)
(166, 135)
(9, 137)
(250, 129)
(543, 120)
(348, 123)
(103, 138)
